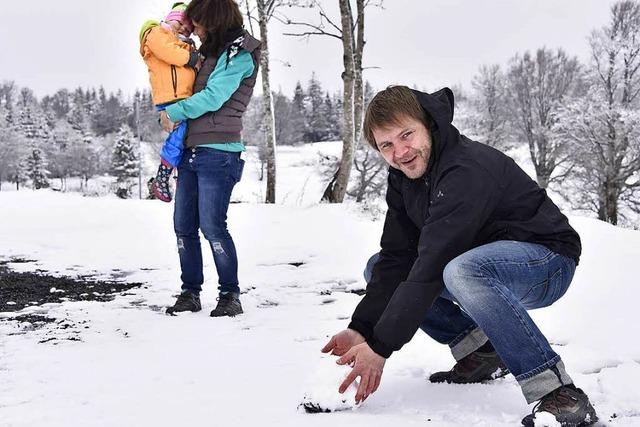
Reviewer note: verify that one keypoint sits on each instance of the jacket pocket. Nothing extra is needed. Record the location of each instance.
(536, 295)
(542, 260)
(546, 292)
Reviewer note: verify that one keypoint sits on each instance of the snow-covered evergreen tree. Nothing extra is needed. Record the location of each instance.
(78, 116)
(107, 113)
(36, 167)
(331, 131)
(17, 171)
(318, 124)
(299, 110)
(7, 90)
(124, 161)
(288, 131)
(31, 121)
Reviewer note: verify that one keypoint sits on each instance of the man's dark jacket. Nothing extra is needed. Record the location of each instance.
(470, 195)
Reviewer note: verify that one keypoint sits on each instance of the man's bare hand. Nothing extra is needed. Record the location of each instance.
(166, 123)
(368, 365)
(342, 342)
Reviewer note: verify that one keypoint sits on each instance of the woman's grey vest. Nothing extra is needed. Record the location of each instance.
(225, 124)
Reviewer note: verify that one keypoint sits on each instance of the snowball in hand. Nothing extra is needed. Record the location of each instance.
(322, 388)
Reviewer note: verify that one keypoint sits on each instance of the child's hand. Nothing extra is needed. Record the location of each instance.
(199, 63)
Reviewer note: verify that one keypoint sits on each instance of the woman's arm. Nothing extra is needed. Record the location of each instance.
(222, 83)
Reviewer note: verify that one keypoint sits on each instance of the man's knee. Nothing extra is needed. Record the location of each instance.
(368, 270)
(458, 271)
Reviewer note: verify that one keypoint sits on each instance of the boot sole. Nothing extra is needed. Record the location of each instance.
(225, 315)
(175, 313)
(449, 380)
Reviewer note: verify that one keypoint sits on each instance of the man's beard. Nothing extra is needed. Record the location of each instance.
(414, 165)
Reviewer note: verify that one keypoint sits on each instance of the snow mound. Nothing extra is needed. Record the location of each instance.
(322, 391)
(545, 419)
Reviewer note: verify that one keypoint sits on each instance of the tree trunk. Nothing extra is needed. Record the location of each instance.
(358, 86)
(612, 209)
(608, 202)
(267, 101)
(337, 188)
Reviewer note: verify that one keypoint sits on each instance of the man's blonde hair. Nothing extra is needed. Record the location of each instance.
(387, 108)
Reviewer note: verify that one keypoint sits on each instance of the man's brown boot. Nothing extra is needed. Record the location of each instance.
(568, 404)
(477, 367)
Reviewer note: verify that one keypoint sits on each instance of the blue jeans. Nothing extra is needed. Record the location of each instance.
(206, 177)
(488, 291)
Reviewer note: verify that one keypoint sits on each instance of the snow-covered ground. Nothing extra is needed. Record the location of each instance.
(136, 366)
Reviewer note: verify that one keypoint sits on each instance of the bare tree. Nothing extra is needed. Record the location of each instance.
(337, 188)
(539, 84)
(358, 84)
(350, 32)
(371, 180)
(605, 126)
(265, 11)
(489, 100)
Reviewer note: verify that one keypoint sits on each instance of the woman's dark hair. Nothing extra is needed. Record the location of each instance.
(220, 18)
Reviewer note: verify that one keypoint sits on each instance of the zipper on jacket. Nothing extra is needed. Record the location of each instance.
(174, 80)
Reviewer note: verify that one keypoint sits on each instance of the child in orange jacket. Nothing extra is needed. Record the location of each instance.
(173, 63)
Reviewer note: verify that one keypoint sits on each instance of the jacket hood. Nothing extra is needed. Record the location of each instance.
(438, 105)
(144, 30)
(439, 108)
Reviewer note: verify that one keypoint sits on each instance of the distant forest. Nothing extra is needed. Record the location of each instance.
(579, 123)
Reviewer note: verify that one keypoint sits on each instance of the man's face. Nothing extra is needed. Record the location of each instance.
(405, 146)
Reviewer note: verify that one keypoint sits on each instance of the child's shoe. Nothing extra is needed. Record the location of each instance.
(160, 185)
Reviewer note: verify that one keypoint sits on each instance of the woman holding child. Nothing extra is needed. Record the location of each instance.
(211, 165)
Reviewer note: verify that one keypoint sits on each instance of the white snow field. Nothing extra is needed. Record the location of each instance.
(135, 366)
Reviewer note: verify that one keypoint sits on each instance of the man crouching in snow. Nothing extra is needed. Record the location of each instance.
(470, 243)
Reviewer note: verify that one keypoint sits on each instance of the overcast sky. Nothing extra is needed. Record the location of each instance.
(47, 45)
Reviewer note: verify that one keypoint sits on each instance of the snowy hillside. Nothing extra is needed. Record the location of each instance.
(130, 364)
